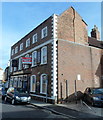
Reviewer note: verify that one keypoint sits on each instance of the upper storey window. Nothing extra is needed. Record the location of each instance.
(16, 50)
(12, 52)
(44, 32)
(28, 42)
(21, 46)
(44, 55)
(34, 40)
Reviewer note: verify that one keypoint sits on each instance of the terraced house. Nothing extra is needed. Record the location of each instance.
(48, 60)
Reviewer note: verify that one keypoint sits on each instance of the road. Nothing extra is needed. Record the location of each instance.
(27, 111)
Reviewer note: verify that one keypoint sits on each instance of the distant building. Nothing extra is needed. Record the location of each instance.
(48, 60)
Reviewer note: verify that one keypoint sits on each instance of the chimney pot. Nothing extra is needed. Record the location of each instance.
(95, 33)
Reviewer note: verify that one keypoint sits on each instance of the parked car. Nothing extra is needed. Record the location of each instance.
(94, 96)
(17, 96)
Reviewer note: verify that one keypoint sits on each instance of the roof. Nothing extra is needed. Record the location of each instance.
(95, 43)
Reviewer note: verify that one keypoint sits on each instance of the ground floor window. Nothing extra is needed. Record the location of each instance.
(15, 82)
(33, 83)
(43, 84)
(11, 82)
(20, 82)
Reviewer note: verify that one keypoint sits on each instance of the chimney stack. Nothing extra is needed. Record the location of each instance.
(95, 33)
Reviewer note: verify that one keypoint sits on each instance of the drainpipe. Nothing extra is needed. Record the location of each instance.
(74, 24)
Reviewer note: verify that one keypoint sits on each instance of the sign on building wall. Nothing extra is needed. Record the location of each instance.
(26, 60)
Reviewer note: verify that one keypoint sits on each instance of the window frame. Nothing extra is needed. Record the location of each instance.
(42, 55)
(34, 38)
(16, 49)
(27, 41)
(32, 82)
(41, 82)
(26, 65)
(20, 64)
(21, 46)
(20, 82)
(42, 32)
(15, 69)
(12, 52)
(33, 57)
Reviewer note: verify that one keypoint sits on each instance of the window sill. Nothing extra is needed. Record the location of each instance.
(32, 91)
(34, 42)
(43, 93)
(33, 66)
(43, 63)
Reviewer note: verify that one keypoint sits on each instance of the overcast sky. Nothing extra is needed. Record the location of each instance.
(19, 18)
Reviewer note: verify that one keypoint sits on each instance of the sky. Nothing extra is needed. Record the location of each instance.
(19, 18)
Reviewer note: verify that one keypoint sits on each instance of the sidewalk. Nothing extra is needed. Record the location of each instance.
(71, 110)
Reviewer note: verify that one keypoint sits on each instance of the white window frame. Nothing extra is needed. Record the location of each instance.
(20, 82)
(41, 82)
(11, 82)
(20, 64)
(43, 55)
(12, 52)
(15, 82)
(11, 68)
(28, 42)
(34, 38)
(15, 69)
(16, 49)
(21, 46)
(43, 34)
(34, 57)
(26, 66)
(31, 82)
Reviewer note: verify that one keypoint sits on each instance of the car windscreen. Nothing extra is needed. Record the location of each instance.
(97, 91)
(20, 91)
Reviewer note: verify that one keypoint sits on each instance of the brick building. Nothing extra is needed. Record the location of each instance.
(48, 60)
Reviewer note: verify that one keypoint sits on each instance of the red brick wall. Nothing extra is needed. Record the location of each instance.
(71, 27)
(76, 59)
(48, 23)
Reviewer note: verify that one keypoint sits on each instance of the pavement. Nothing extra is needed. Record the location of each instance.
(71, 110)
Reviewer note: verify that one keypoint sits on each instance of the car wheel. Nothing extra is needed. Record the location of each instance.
(13, 102)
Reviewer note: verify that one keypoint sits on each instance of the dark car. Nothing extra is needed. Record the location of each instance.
(17, 96)
(94, 96)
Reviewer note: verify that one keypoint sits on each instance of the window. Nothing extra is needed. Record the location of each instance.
(43, 84)
(44, 55)
(21, 46)
(15, 81)
(34, 38)
(11, 68)
(20, 64)
(15, 68)
(16, 50)
(26, 65)
(11, 82)
(34, 58)
(12, 52)
(28, 42)
(33, 83)
(20, 82)
(44, 32)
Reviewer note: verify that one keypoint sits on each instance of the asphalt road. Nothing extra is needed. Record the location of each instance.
(26, 111)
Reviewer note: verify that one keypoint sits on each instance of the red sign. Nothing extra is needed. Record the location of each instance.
(26, 60)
